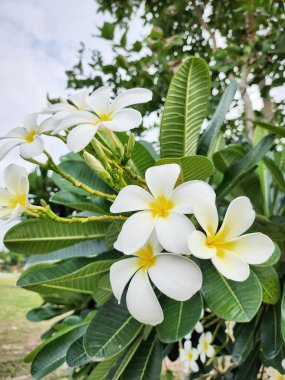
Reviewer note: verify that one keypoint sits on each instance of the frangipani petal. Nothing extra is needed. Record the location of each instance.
(206, 213)
(59, 107)
(5, 212)
(79, 98)
(161, 179)
(17, 211)
(173, 231)
(141, 300)
(135, 231)
(48, 125)
(5, 149)
(184, 195)
(30, 122)
(176, 276)
(32, 149)
(154, 242)
(255, 248)
(132, 198)
(16, 180)
(120, 274)
(230, 266)
(5, 198)
(80, 136)
(77, 118)
(197, 242)
(239, 217)
(130, 97)
(17, 133)
(125, 120)
(99, 101)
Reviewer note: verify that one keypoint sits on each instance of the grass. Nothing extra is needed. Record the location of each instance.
(18, 336)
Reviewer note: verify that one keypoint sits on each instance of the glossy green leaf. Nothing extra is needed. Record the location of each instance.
(101, 370)
(76, 355)
(230, 300)
(274, 230)
(250, 368)
(46, 312)
(279, 131)
(209, 137)
(180, 318)
(111, 331)
(73, 275)
(270, 336)
(112, 233)
(236, 171)
(196, 168)
(92, 204)
(185, 108)
(146, 362)
(270, 284)
(244, 342)
(276, 173)
(224, 158)
(40, 236)
(84, 249)
(103, 292)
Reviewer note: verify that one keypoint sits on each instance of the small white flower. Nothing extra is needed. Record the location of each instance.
(163, 210)
(27, 137)
(230, 253)
(14, 198)
(98, 111)
(198, 327)
(149, 263)
(189, 356)
(274, 374)
(204, 347)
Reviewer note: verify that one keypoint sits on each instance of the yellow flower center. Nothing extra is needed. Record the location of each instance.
(105, 117)
(30, 136)
(161, 206)
(190, 356)
(205, 345)
(146, 257)
(19, 199)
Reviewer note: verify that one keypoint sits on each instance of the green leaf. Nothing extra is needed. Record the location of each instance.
(196, 167)
(113, 233)
(40, 236)
(250, 368)
(94, 204)
(46, 312)
(236, 171)
(270, 336)
(84, 249)
(180, 318)
(273, 259)
(276, 173)
(102, 369)
(111, 331)
(274, 230)
(224, 158)
(185, 109)
(230, 300)
(51, 354)
(283, 315)
(270, 284)
(71, 275)
(244, 342)
(103, 291)
(279, 131)
(76, 355)
(107, 30)
(209, 137)
(122, 362)
(146, 363)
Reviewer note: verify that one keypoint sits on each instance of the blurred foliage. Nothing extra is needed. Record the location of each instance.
(240, 39)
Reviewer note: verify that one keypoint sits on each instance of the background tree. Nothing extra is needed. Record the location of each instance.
(240, 39)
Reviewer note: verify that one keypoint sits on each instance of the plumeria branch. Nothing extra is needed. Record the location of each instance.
(37, 211)
(52, 165)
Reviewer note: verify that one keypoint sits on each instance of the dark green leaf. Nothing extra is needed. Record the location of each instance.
(244, 342)
(76, 355)
(270, 284)
(271, 339)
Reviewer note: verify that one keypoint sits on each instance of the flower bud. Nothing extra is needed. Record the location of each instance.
(130, 145)
(95, 164)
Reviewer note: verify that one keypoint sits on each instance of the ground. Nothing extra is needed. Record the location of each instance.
(18, 336)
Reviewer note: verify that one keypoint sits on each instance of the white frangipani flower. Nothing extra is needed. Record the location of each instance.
(188, 356)
(102, 113)
(27, 137)
(273, 374)
(230, 253)
(14, 198)
(163, 210)
(149, 263)
(204, 347)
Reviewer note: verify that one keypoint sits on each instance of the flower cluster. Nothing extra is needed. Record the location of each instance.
(160, 223)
